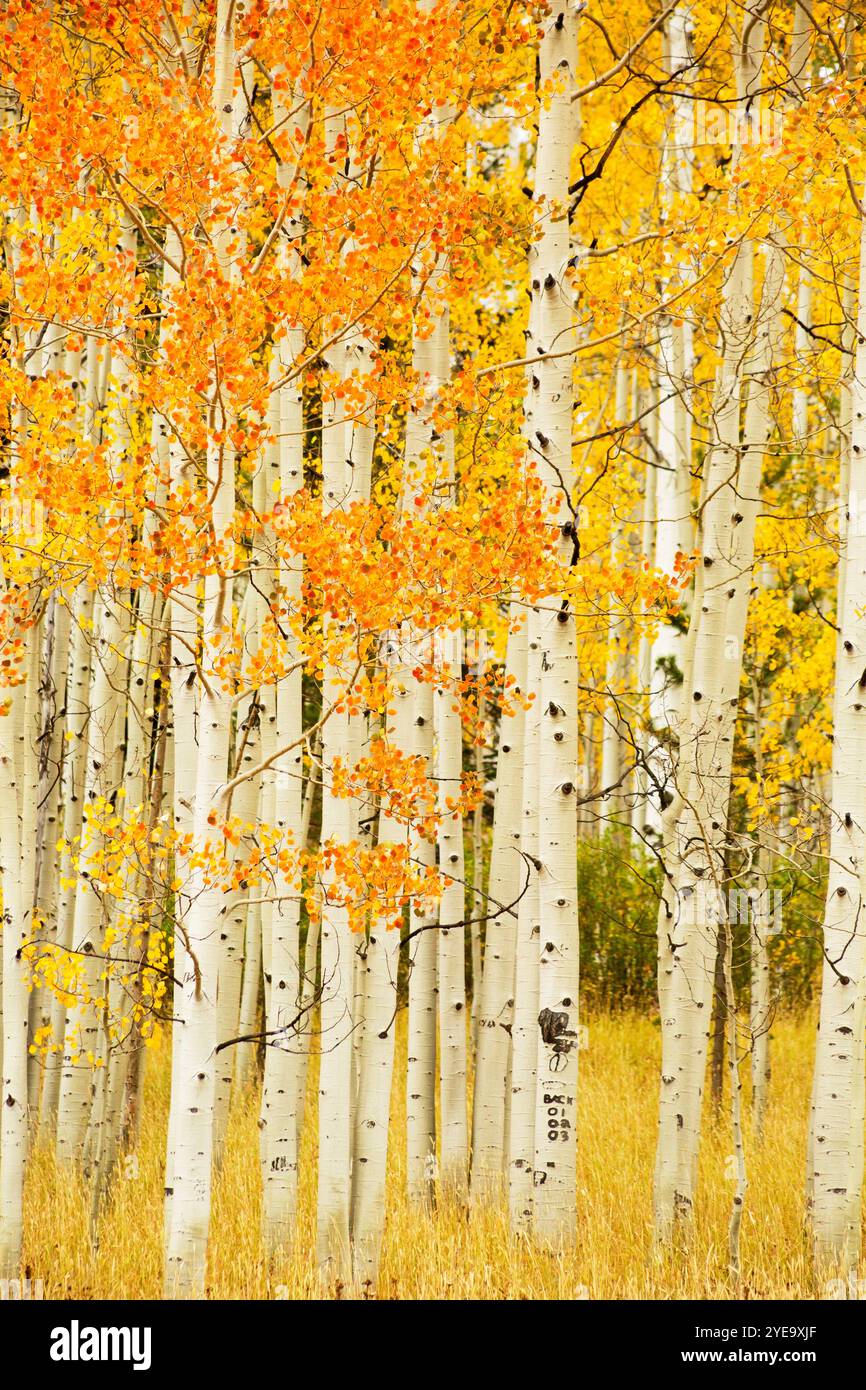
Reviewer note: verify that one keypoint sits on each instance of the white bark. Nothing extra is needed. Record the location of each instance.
(336, 1072)
(16, 928)
(381, 962)
(194, 1093)
(837, 1152)
(282, 1101)
(423, 1008)
(555, 1206)
(451, 965)
(82, 1039)
(698, 818)
(505, 880)
(524, 1029)
(674, 528)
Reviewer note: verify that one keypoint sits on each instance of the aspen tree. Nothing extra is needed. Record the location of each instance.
(693, 908)
(524, 1028)
(454, 1156)
(477, 658)
(82, 1041)
(499, 907)
(381, 963)
(419, 453)
(51, 776)
(183, 624)
(75, 732)
(614, 736)
(282, 1099)
(672, 480)
(336, 1068)
(836, 1175)
(194, 1095)
(16, 929)
(556, 1080)
(234, 914)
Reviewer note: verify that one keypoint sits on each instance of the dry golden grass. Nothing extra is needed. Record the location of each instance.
(444, 1254)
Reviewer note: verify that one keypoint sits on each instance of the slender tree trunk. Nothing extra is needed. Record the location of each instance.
(194, 1095)
(505, 880)
(454, 1156)
(525, 986)
(555, 1207)
(282, 1099)
(16, 927)
(695, 848)
(381, 962)
(837, 1153)
(336, 1068)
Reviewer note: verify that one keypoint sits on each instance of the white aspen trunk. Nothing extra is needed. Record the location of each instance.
(837, 1153)
(739, 1197)
(282, 1101)
(158, 790)
(454, 1147)
(381, 963)
(802, 355)
(421, 1168)
(89, 1026)
(555, 1205)
(28, 803)
(257, 979)
(251, 990)
(640, 784)
(760, 1002)
(121, 1043)
(360, 436)
(337, 997)
(698, 818)
(193, 1096)
(55, 653)
(310, 989)
(500, 907)
(78, 678)
(474, 933)
(336, 1069)
(695, 848)
(234, 912)
(525, 986)
(180, 616)
(245, 804)
(758, 429)
(846, 407)
(674, 529)
(614, 749)
(82, 1039)
(16, 928)
(184, 643)
(423, 1010)
(48, 895)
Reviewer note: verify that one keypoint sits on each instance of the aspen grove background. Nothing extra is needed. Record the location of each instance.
(433, 647)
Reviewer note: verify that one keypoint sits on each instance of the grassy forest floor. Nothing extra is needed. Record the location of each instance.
(443, 1254)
